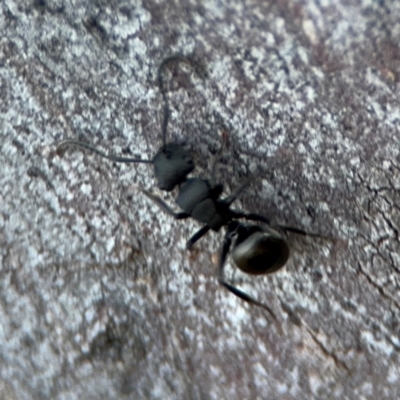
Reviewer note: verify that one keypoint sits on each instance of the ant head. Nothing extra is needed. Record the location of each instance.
(171, 166)
(259, 251)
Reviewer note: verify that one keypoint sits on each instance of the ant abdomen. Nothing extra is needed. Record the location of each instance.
(262, 251)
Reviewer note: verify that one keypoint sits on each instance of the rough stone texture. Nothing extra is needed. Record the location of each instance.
(99, 298)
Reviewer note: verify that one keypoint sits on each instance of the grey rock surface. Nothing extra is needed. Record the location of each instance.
(99, 298)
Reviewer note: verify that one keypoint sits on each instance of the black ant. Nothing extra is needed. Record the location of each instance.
(256, 249)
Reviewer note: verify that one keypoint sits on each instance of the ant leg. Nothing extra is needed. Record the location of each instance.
(231, 198)
(298, 231)
(285, 228)
(217, 158)
(198, 235)
(111, 157)
(164, 206)
(214, 164)
(233, 289)
(251, 216)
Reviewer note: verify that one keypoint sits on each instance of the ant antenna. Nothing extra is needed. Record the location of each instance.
(116, 158)
(168, 60)
(111, 157)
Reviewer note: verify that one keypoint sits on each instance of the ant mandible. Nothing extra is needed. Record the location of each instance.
(256, 249)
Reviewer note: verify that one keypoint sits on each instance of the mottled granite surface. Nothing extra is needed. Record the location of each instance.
(99, 298)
